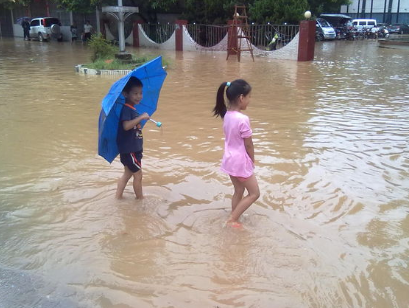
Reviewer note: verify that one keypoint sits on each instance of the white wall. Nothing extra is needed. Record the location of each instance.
(378, 6)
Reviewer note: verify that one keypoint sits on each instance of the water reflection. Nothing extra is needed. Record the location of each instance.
(331, 226)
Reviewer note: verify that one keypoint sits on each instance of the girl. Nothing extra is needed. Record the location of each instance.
(238, 157)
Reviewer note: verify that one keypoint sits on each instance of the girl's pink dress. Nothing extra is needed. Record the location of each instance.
(236, 161)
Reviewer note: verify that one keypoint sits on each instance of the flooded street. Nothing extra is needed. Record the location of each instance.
(330, 229)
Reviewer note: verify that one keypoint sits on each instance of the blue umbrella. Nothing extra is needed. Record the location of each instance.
(21, 19)
(152, 76)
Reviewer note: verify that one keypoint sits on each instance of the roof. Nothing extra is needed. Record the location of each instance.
(336, 19)
(336, 16)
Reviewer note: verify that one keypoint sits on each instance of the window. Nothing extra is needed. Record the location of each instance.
(51, 21)
(35, 23)
(324, 23)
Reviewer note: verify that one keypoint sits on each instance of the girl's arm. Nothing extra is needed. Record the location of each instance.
(248, 143)
(127, 125)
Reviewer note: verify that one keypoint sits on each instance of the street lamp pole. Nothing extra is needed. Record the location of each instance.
(120, 13)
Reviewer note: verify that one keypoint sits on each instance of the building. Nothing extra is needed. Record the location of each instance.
(384, 11)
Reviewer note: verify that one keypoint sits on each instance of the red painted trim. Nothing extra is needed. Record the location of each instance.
(135, 33)
(179, 34)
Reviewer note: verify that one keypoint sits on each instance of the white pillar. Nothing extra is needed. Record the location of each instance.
(121, 30)
(98, 21)
(12, 21)
(121, 33)
(120, 13)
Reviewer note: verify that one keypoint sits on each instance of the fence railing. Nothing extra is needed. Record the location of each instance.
(272, 36)
(158, 33)
(207, 35)
(266, 36)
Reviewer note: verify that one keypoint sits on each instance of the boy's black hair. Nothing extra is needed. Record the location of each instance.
(132, 83)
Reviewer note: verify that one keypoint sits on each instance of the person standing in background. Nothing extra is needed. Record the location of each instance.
(73, 30)
(26, 28)
(87, 31)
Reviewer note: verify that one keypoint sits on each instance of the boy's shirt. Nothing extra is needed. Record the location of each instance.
(132, 140)
(87, 28)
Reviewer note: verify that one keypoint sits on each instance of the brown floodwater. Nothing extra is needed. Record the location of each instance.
(330, 229)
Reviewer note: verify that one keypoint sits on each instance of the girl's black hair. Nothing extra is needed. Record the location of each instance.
(234, 90)
(132, 82)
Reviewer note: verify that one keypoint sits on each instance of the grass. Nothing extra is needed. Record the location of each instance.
(112, 63)
(103, 56)
(115, 64)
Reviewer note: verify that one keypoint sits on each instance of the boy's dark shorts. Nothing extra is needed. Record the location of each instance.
(132, 160)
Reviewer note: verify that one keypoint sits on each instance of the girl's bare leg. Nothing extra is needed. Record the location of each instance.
(253, 194)
(137, 184)
(238, 192)
(122, 181)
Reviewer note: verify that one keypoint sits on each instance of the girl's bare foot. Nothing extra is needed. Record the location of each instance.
(233, 224)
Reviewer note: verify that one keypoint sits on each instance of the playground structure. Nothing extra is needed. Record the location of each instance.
(239, 34)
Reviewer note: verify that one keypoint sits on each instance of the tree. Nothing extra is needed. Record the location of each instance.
(326, 6)
(14, 3)
(147, 8)
(208, 11)
(165, 5)
(79, 6)
(278, 11)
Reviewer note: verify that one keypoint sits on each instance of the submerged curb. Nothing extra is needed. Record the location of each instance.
(90, 71)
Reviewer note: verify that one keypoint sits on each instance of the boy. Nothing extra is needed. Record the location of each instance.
(130, 139)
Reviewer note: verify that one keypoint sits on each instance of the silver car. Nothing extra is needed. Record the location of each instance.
(45, 29)
(324, 30)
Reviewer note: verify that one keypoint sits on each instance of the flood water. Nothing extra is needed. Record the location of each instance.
(330, 229)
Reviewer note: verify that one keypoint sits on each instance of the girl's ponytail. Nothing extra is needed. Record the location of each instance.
(234, 90)
(220, 109)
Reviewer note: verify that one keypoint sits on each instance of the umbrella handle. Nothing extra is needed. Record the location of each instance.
(158, 124)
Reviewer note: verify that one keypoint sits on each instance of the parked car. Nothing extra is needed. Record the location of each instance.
(363, 24)
(45, 29)
(340, 23)
(324, 30)
(398, 29)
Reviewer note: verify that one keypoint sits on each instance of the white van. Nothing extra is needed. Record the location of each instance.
(363, 23)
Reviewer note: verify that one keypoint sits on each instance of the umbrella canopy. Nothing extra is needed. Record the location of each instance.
(152, 76)
(21, 19)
